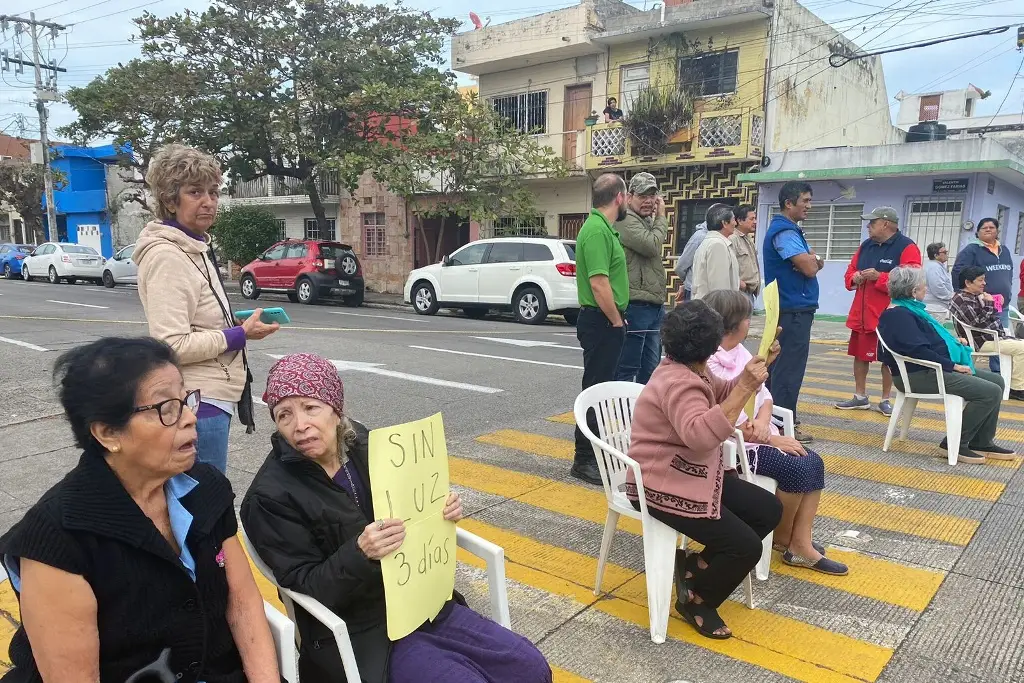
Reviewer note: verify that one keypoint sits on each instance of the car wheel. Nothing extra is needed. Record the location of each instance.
(293, 297)
(475, 313)
(424, 300)
(52, 277)
(349, 266)
(248, 287)
(306, 292)
(354, 300)
(8, 273)
(571, 317)
(530, 307)
(108, 279)
(24, 273)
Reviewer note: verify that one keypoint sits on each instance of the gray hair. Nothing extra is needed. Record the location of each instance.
(904, 280)
(719, 216)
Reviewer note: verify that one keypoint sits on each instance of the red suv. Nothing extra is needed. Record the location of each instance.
(305, 270)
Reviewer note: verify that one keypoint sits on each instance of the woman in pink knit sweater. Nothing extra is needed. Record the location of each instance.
(679, 423)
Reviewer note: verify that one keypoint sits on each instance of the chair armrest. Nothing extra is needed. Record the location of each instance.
(318, 611)
(788, 423)
(494, 555)
(283, 630)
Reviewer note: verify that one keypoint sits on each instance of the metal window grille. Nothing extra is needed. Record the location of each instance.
(608, 142)
(721, 131)
(1020, 233)
(710, 74)
(528, 112)
(935, 218)
(508, 226)
(312, 231)
(282, 228)
(833, 230)
(374, 235)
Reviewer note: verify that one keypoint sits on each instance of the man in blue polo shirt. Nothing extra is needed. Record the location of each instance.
(790, 261)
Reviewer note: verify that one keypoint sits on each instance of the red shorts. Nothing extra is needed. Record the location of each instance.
(863, 346)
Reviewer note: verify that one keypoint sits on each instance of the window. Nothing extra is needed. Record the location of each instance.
(570, 224)
(936, 218)
(76, 249)
(710, 74)
(530, 226)
(536, 252)
(1020, 232)
(275, 253)
(634, 79)
(312, 231)
(282, 228)
(929, 108)
(506, 252)
(469, 256)
(126, 253)
(969, 109)
(296, 250)
(1003, 216)
(527, 112)
(833, 230)
(375, 241)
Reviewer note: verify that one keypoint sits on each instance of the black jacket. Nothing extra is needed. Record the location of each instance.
(88, 524)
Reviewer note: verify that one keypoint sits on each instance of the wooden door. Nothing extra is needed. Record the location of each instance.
(577, 107)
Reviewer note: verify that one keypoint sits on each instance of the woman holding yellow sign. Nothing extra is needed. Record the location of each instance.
(309, 515)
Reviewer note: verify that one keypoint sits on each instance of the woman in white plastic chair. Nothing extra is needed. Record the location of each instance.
(309, 515)
(798, 470)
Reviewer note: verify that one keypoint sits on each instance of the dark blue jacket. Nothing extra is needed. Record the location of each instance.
(908, 335)
(998, 269)
(796, 291)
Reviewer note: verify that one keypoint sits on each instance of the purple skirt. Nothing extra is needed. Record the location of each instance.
(460, 646)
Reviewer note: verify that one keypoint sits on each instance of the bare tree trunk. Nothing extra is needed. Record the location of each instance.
(440, 238)
(318, 208)
(423, 237)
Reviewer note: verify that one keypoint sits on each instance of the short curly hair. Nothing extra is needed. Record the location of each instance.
(733, 305)
(692, 332)
(176, 166)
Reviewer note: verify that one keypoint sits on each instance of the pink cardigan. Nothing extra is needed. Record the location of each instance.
(677, 434)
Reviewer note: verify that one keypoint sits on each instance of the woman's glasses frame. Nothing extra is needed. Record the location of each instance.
(166, 410)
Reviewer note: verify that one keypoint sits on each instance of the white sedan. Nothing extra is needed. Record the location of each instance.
(58, 261)
(121, 269)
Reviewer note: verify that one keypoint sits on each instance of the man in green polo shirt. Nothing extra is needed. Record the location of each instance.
(602, 285)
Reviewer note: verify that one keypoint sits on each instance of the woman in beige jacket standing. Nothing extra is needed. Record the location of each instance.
(185, 302)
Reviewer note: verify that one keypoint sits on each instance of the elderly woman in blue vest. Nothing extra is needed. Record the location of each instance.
(987, 252)
(908, 330)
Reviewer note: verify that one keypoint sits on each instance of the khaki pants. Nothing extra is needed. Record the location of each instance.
(1015, 349)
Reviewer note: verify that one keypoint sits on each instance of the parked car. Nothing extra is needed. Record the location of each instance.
(306, 270)
(121, 269)
(11, 256)
(531, 276)
(58, 261)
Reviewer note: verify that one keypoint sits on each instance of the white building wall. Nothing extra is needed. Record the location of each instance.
(952, 107)
(556, 197)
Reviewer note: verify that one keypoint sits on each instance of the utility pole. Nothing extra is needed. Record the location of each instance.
(43, 95)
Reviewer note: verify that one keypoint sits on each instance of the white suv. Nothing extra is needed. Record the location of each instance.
(531, 276)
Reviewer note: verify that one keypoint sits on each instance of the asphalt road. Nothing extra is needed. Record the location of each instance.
(935, 590)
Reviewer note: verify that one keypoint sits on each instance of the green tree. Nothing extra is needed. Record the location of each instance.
(242, 233)
(22, 188)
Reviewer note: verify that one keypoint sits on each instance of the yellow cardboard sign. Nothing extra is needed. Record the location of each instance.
(409, 481)
(771, 328)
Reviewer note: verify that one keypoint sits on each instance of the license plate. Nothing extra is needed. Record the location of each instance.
(343, 283)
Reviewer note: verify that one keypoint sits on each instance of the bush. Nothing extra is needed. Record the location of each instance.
(244, 232)
(655, 115)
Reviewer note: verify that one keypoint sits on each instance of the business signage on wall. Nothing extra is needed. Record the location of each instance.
(945, 185)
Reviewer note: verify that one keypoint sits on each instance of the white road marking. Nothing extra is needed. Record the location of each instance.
(376, 369)
(564, 334)
(388, 317)
(72, 303)
(24, 344)
(529, 343)
(486, 355)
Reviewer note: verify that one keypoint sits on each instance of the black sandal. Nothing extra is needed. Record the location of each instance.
(708, 615)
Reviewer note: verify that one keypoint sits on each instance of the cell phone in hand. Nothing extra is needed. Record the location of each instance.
(270, 315)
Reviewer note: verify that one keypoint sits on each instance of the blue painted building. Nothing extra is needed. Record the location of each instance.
(83, 215)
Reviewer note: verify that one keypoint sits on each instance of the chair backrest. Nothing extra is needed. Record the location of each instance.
(969, 332)
(289, 605)
(901, 361)
(613, 404)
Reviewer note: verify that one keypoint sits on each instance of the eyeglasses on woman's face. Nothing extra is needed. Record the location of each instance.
(171, 409)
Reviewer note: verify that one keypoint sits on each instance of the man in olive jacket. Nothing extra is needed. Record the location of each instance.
(643, 233)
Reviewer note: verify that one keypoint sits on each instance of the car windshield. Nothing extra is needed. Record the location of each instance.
(332, 251)
(570, 248)
(25, 248)
(75, 249)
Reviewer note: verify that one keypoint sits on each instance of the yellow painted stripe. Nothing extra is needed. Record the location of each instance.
(870, 577)
(786, 646)
(538, 444)
(564, 418)
(911, 477)
(563, 676)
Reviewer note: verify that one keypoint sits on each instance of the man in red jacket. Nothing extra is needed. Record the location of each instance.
(868, 275)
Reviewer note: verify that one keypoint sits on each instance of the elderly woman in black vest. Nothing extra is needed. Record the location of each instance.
(131, 562)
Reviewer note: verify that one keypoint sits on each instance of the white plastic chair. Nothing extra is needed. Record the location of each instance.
(1005, 360)
(906, 403)
(493, 555)
(1015, 319)
(613, 403)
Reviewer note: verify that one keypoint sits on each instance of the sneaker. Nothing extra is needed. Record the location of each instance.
(801, 436)
(855, 403)
(966, 455)
(994, 452)
(1017, 394)
(885, 407)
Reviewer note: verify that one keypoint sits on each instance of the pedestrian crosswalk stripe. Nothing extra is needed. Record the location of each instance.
(870, 577)
(781, 644)
(910, 477)
(887, 516)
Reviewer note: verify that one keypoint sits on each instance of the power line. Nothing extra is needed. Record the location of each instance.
(1008, 89)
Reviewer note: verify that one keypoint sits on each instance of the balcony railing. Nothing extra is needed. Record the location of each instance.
(715, 136)
(281, 186)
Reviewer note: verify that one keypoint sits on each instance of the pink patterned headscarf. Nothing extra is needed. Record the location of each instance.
(307, 375)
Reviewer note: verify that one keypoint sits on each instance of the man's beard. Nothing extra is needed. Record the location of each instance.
(622, 213)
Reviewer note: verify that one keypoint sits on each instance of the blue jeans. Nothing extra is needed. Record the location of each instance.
(641, 351)
(213, 440)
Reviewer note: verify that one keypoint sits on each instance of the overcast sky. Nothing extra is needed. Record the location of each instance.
(99, 36)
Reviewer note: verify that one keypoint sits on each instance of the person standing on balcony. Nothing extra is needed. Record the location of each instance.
(602, 286)
(684, 266)
(746, 251)
(790, 261)
(612, 111)
(868, 275)
(714, 264)
(642, 234)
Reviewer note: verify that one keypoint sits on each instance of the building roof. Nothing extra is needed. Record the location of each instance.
(16, 148)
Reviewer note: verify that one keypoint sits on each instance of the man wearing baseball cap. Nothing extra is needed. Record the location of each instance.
(868, 275)
(642, 234)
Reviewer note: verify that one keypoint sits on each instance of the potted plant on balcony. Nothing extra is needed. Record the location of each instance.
(655, 115)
